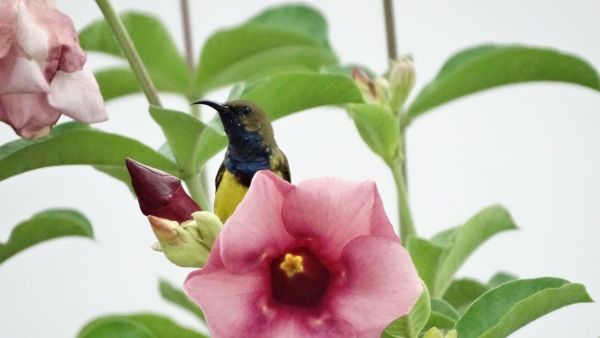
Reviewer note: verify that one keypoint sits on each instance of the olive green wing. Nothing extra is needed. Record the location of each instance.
(219, 176)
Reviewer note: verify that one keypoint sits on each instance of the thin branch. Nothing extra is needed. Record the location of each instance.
(187, 36)
(390, 31)
(135, 62)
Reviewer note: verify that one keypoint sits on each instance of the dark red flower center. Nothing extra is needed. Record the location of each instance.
(298, 278)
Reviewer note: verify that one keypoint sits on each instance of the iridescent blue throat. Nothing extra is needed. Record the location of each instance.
(246, 153)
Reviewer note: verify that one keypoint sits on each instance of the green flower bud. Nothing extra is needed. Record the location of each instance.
(435, 333)
(402, 80)
(187, 244)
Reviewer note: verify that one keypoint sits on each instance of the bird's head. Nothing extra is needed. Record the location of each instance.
(240, 117)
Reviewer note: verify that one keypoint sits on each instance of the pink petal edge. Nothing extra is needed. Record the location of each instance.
(329, 212)
(232, 304)
(380, 285)
(255, 230)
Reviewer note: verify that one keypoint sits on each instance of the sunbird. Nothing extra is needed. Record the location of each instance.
(251, 148)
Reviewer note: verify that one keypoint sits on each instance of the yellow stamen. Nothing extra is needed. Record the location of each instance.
(292, 265)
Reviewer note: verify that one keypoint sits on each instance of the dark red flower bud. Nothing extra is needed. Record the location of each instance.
(160, 194)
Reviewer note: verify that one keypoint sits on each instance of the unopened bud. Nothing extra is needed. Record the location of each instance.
(365, 85)
(402, 80)
(435, 333)
(187, 244)
(160, 194)
(373, 91)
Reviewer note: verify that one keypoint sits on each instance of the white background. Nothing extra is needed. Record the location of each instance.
(535, 148)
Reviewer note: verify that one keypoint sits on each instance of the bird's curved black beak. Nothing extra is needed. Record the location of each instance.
(221, 108)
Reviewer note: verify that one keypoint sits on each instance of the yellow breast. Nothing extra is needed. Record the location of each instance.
(229, 194)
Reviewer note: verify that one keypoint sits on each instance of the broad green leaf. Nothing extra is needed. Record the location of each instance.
(411, 324)
(77, 143)
(467, 238)
(378, 128)
(462, 292)
(425, 255)
(154, 45)
(500, 278)
(347, 70)
(490, 66)
(296, 18)
(45, 226)
(138, 325)
(115, 327)
(505, 309)
(286, 93)
(178, 297)
(443, 315)
(255, 50)
(183, 133)
(212, 141)
(116, 82)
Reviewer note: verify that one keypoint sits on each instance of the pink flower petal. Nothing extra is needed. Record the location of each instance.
(30, 115)
(233, 304)
(255, 230)
(77, 95)
(288, 324)
(330, 212)
(8, 23)
(380, 285)
(48, 36)
(20, 74)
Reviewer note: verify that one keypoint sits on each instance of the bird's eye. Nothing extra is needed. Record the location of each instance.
(245, 110)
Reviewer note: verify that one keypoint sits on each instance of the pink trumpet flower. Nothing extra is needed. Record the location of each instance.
(316, 259)
(42, 72)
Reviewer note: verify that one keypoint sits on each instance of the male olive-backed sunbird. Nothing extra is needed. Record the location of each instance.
(251, 148)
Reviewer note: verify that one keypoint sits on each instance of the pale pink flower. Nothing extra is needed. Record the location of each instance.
(316, 259)
(42, 72)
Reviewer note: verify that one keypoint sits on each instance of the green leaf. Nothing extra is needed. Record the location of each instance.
(45, 226)
(507, 308)
(347, 70)
(467, 238)
(500, 278)
(425, 255)
(255, 50)
(77, 143)
(115, 327)
(412, 323)
(116, 82)
(212, 141)
(443, 315)
(154, 45)
(183, 133)
(178, 297)
(286, 93)
(490, 66)
(138, 326)
(378, 128)
(462, 292)
(296, 18)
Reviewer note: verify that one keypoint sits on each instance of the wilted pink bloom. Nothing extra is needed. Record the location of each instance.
(160, 194)
(316, 259)
(42, 73)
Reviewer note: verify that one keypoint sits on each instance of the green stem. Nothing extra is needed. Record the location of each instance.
(199, 195)
(407, 226)
(118, 29)
(390, 31)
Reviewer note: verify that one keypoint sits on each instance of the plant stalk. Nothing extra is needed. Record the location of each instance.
(407, 226)
(390, 31)
(124, 41)
(197, 192)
